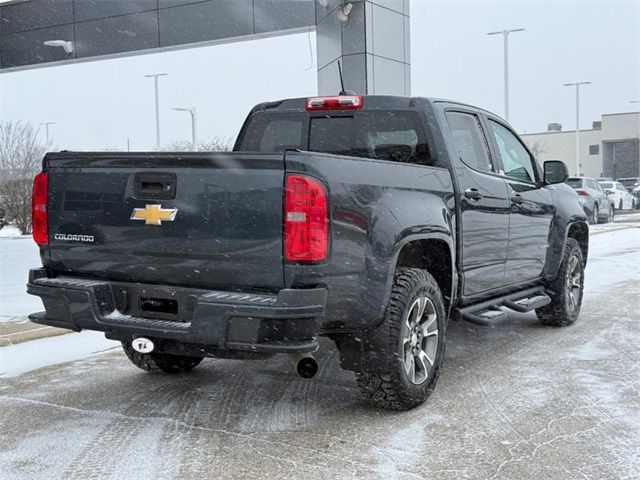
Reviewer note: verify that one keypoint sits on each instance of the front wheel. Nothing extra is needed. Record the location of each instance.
(163, 362)
(415, 320)
(566, 290)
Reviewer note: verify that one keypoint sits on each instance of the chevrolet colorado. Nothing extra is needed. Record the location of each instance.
(371, 220)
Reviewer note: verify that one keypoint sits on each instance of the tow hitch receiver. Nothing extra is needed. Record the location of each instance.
(142, 345)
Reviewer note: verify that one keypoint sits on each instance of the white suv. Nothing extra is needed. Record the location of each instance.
(621, 198)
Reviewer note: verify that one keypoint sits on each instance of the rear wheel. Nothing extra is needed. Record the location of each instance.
(415, 321)
(164, 362)
(594, 215)
(566, 290)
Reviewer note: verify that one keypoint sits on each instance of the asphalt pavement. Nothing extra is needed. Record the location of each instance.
(516, 400)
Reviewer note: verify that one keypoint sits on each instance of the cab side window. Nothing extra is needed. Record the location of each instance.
(516, 160)
(469, 140)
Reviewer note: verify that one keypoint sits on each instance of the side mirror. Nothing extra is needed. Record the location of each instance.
(608, 192)
(555, 171)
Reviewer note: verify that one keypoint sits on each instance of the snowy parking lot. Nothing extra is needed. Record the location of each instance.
(517, 400)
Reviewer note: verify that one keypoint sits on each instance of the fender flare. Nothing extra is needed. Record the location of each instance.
(443, 236)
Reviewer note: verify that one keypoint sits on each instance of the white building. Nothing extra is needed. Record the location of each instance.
(609, 149)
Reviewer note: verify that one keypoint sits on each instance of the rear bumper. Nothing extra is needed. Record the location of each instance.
(261, 323)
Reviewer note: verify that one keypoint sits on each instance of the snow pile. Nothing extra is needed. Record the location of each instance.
(610, 256)
(10, 232)
(17, 256)
(25, 357)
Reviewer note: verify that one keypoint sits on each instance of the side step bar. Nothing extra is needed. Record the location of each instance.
(489, 312)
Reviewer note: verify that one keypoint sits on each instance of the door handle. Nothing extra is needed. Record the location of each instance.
(517, 199)
(154, 186)
(472, 194)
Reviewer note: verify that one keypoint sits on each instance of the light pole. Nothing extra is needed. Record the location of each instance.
(194, 125)
(46, 129)
(155, 85)
(577, 85)
(505, 36)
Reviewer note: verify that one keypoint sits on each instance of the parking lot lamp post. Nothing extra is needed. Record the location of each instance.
(577, 85)
(505, 36)
(155, 85)
(194, 125)
(46, 129)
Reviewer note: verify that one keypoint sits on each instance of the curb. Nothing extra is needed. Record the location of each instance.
(12, 333)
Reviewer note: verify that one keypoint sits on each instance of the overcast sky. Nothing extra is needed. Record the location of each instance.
(100, 104)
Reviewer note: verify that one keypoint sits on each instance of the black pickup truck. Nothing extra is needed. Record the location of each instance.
(371, 220)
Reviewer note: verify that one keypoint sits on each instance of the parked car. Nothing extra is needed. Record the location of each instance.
(371, 220)
(621, 198)
(597, 206)
(632, 184)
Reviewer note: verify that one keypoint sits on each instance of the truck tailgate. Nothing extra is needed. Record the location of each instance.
(197, 220)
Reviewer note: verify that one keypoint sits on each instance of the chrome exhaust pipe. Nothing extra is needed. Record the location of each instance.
(305, 364)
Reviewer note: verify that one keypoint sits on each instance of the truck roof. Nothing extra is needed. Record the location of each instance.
(385, 102)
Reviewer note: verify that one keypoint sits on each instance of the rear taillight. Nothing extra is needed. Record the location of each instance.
(306, 228)
(39, 209)
(344, 102)
(582, 193)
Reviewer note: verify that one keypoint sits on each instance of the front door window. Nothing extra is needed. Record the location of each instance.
(516, 160)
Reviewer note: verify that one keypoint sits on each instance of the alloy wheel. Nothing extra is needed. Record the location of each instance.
(573, 286)
(420, 340)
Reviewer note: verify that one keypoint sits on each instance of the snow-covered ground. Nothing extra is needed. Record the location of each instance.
(611, 253)
(17, 255)
(517, 400)
(28, 356)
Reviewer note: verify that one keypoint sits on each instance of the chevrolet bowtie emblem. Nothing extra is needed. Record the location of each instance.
(154, 214)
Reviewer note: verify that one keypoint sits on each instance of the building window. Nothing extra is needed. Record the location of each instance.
(594, 149)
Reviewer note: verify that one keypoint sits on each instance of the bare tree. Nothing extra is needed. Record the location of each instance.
(537, 149)
(216, 144)
(20, 156)
(211, 144)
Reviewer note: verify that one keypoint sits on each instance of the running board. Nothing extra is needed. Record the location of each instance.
(489, 312)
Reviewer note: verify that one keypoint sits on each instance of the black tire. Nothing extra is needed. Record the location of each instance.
(562, 310)
(164, 362)
(620, 206)
(395, 388)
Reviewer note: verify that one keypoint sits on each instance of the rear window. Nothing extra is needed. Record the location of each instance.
(574, 182)
(606, 184)
(628, 182)
(383, 135)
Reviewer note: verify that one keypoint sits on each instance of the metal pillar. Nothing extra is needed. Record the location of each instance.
(371, 41)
